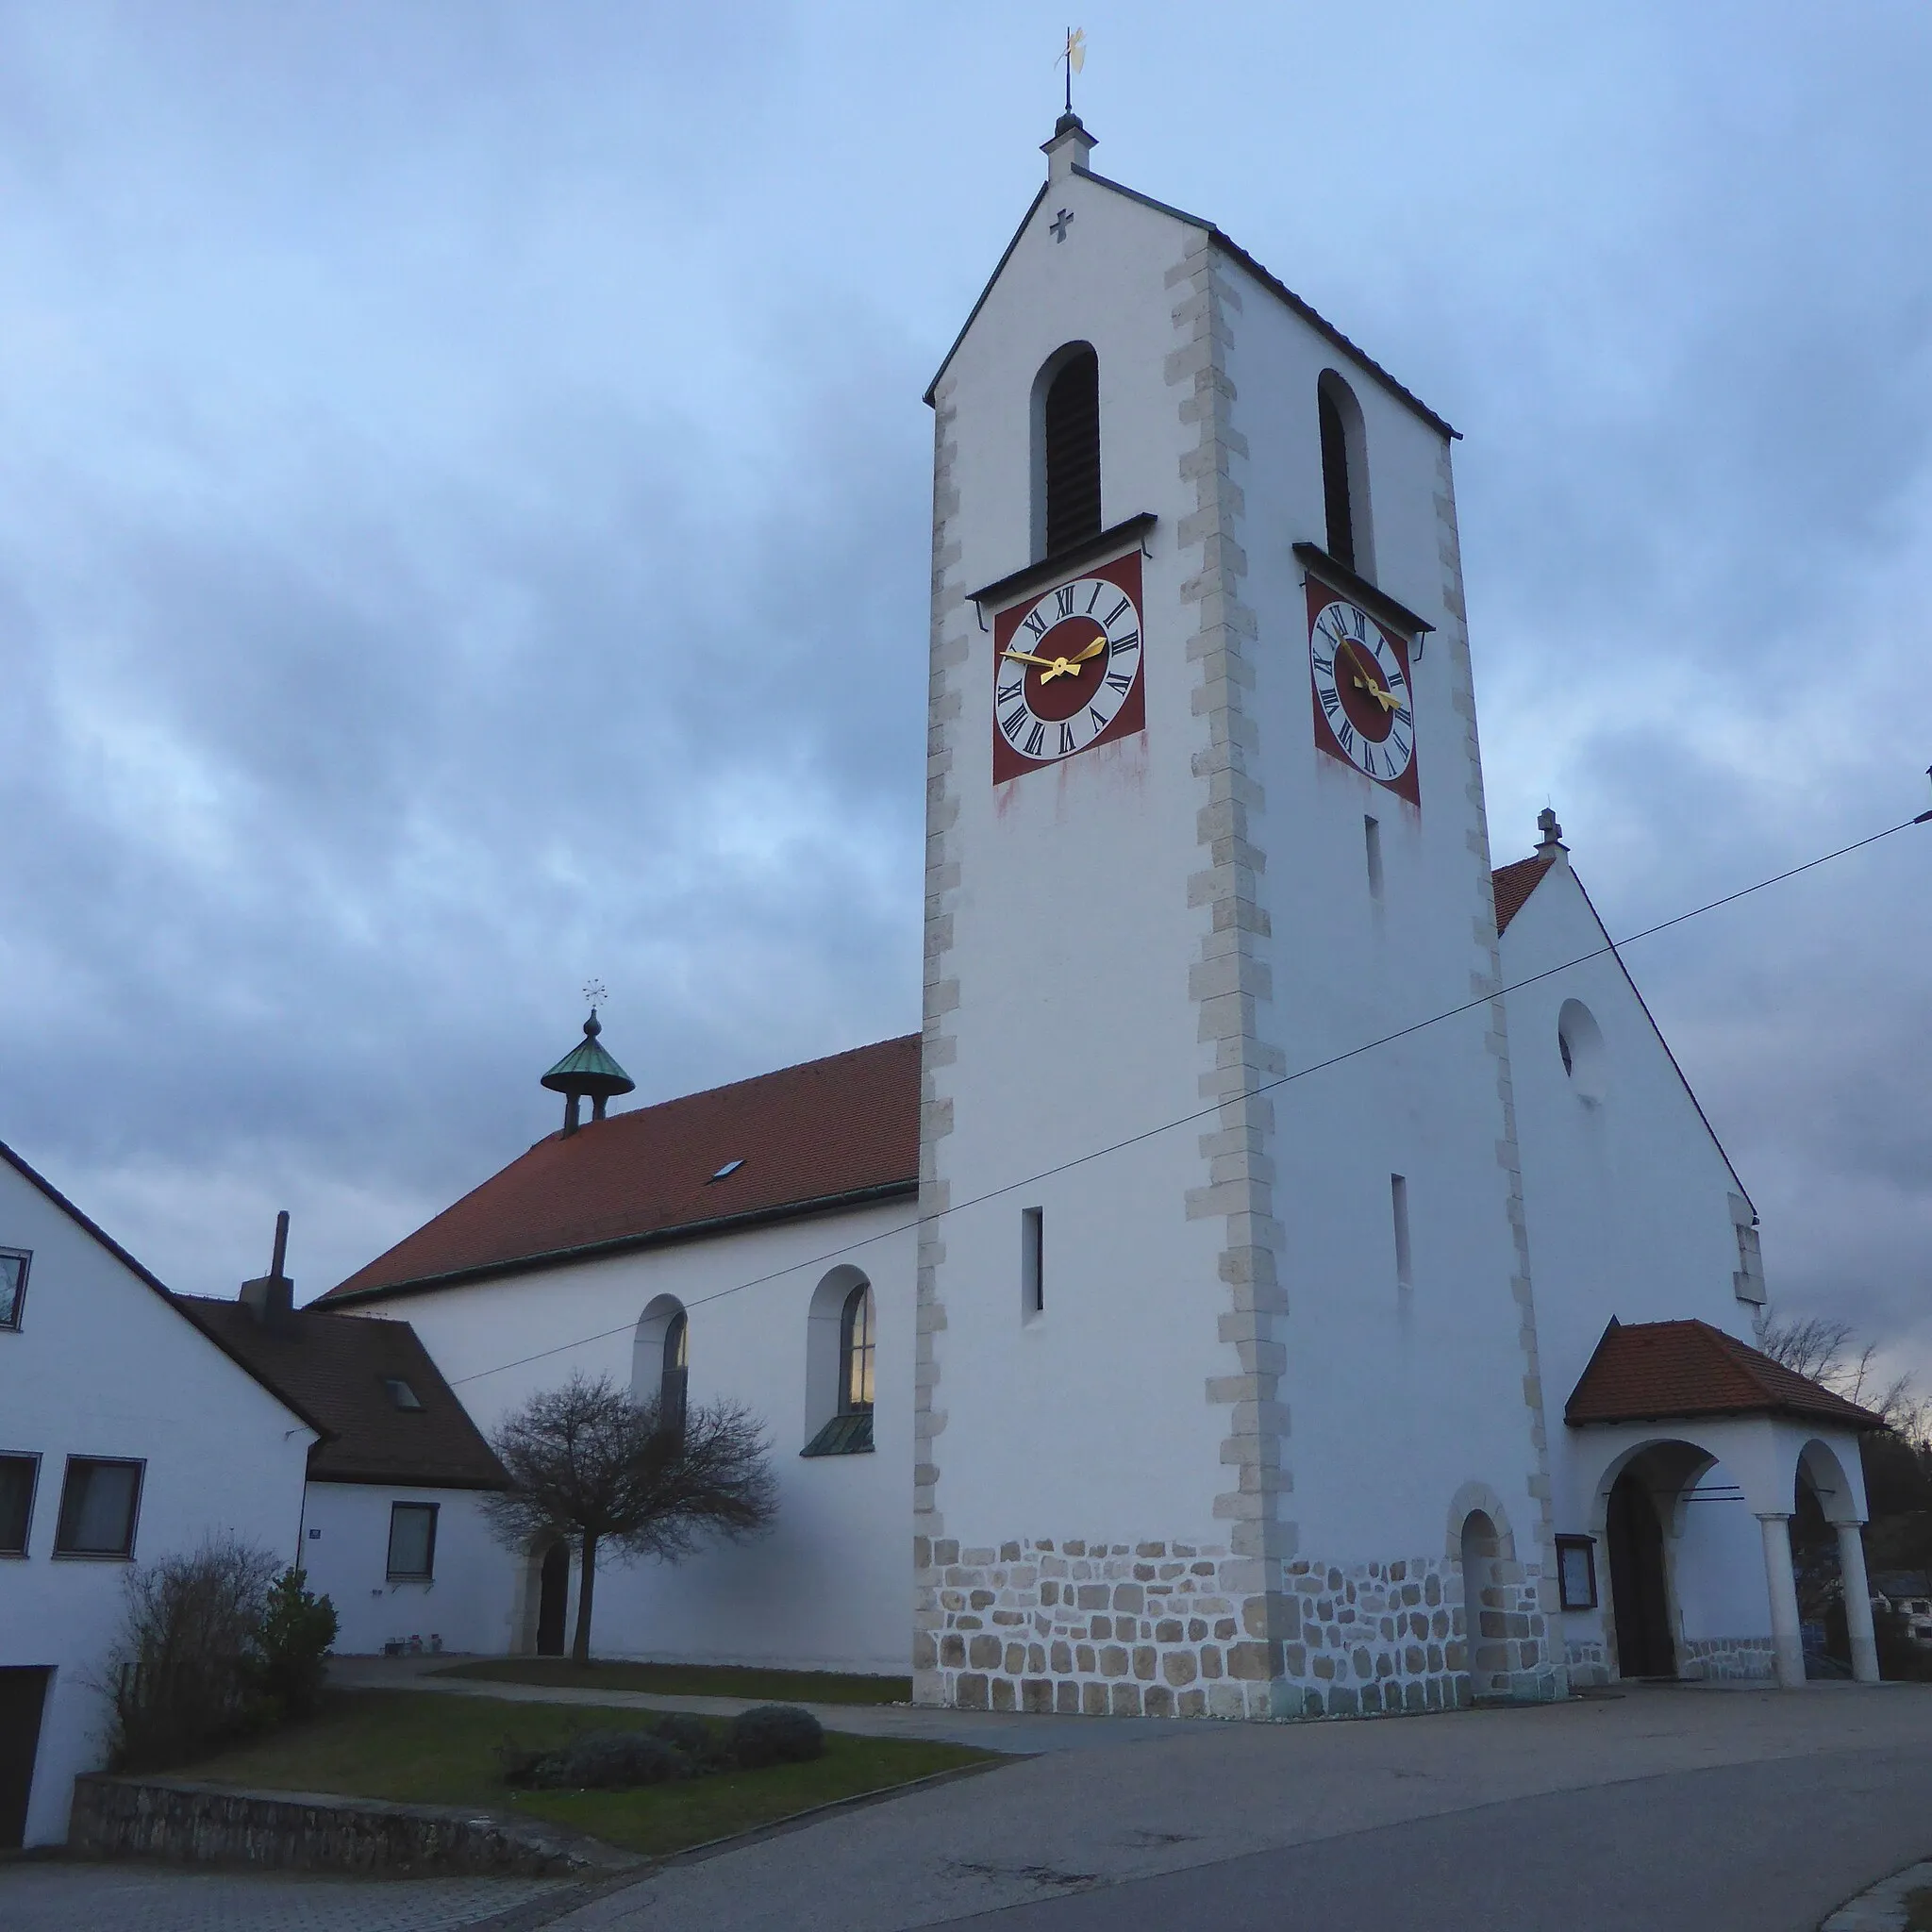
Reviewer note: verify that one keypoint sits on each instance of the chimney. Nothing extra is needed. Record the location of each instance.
(272, 1296)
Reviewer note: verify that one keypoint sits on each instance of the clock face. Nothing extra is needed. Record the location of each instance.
(1067, 670)
(1364, 710)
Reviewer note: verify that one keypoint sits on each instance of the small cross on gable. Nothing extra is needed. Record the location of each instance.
(1061, 224)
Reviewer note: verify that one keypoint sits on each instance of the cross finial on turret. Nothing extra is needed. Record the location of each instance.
(1551, 846)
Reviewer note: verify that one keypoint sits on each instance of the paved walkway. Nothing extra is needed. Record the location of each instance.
(57, 1896)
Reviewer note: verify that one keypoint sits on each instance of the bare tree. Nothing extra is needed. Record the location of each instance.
(588, 1464)
(1828, 1351)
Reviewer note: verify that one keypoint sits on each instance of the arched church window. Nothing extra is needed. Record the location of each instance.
(671, 1382)
(856, 1346)
(1067, 446)
(1344, 475)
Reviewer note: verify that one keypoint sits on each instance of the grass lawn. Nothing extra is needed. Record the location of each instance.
(690, 1680)
(420, 1748)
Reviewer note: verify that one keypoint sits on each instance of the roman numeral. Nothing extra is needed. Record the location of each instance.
(1402, 716)
(1121, 681)
(1093, 598)
(1064, 599)
(1369, 759)
(1035, 623)
(1099, 722)
(1035, 739)
(1011, 722)
(1344, 737)
(1066, 740)
(1130, 640)
(1330, 703)
(1119, 611)
(1325, 666)
(1014, 693)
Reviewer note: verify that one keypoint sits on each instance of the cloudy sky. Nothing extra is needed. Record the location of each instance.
(462, 531)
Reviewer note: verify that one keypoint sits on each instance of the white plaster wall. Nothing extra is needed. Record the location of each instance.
(469, 1601)
(103, 1366)
(1072, 943)
(1629, 1197)
(829, 1587)
(1395, 1400)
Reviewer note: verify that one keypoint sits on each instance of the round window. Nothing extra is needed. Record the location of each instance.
(1580, 1042)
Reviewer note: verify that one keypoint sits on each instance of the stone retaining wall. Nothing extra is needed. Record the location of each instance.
(310, 1831)
(1728, 1659)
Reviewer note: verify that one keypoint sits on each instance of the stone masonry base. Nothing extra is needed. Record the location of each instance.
(1159, 1628)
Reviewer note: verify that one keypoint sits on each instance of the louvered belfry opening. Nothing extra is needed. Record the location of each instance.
(1072, 453)
(1335, 480)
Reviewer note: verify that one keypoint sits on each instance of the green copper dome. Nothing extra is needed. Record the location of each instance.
(587, 1072)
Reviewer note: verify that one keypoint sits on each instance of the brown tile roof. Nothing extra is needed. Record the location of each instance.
(1514, 883)
(336, 1368)
(1654, 1371)
(832, 1132)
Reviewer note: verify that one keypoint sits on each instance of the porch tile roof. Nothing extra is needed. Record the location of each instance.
(1656, 1370)
(834, 1132)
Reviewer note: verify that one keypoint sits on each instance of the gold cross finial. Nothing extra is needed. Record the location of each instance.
(1074, 58)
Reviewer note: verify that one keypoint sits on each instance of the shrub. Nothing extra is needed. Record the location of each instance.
(690, 1734)
(179, 1673)
(776, 1734)
(610, 1761)
(291, 1644)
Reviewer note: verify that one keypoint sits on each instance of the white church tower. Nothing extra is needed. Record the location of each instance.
(1227, 1389)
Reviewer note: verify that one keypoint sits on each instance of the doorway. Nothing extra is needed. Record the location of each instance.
(22, 1697)
(553, 1599)
(1640, 1598)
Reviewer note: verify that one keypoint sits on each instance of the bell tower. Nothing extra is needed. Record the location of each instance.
(1225, 1321)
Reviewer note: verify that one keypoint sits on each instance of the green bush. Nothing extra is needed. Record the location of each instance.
(609, 1761)
(776, 1734)
(291, 1644)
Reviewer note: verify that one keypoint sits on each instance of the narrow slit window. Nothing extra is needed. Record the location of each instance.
(1398, 1201)
(1071, 438)
(1335, 494)
(856, 1348)
(1033, 1262)
(1371, 831)
(675, 1378)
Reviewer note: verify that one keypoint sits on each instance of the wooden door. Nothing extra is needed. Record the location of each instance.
(1640, 1597)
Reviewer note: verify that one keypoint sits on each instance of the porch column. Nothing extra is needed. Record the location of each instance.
(1858, 1594)
(1787, 1642)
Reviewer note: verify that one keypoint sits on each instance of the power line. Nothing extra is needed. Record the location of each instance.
(1213, 1110)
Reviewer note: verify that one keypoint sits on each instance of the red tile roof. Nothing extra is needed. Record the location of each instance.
(338, 1369)
(1514, 883)
(1655, 1371)
(832, 1132)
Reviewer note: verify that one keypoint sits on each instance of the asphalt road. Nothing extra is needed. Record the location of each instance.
(1745, 1848)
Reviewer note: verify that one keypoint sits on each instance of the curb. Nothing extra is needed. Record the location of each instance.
(1883, 1907)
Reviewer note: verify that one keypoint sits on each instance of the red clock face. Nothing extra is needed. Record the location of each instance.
(1364, 705)
(1066, 669)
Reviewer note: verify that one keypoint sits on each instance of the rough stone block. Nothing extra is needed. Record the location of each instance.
(1125, 1700)
(1084, 1659)
(1036, 1693)
(1128, 1597)
(1178, 1667)
(1251, 1662)
(1004, 1697)
(1066, 1698)
(1093, 1699)
(969, 1692)
(1015, 1658)
(1210, 1660)
(1113, 1660)
(952, 1652)
(1169, 1630)
(1158, 1701)
(1146, 1661)
(984, 1653)
(926, 1652)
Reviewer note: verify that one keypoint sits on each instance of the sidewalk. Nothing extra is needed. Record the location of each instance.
(1019, 1734)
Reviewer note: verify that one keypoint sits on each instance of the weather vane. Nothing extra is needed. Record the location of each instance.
(595, 993)
(1073, 57)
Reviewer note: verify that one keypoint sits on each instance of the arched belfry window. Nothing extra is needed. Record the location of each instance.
(1344, 475)
(1066, 466)
(674, 1376)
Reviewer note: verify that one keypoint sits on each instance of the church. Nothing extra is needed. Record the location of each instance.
(1288, 1274)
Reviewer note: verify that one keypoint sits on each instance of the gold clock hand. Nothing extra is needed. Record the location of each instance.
(1070, 667)
(1027, 657)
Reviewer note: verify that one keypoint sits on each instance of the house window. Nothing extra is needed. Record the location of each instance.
(1580, 1044)
(675, 1378)
(19, 1477)
(1344, 475)
(12, 1285)
(412, 1542)
(1068, 472)
(1576, 1572)
(856, 1352)
(401, 1393)
(100, 1502)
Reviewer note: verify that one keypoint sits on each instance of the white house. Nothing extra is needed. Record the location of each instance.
(1305, 1308)
(127, 1432)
